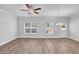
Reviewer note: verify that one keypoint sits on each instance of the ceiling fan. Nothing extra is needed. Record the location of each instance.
(31, 10)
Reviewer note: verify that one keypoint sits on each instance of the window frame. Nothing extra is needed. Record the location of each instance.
(30, 28)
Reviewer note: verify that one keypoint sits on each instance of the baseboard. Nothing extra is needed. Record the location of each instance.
(8, 41)
(73, 38)
(35, 37)
(42, 36)
(26, 37)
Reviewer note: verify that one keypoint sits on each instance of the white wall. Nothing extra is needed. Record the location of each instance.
(41, 20)
(74, 27)
(8, 27)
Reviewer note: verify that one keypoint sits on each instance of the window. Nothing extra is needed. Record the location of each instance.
(62, 26)
(30, 27)
(49, 28)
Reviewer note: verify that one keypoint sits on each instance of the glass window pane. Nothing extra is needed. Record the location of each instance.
(34, 30)
(27, 30)
(27, 24)
(34, 25)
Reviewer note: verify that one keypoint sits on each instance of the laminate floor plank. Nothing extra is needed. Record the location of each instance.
(41, 46)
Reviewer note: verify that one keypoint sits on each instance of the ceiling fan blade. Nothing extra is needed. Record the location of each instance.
(37, 9)
(24, 10)
(28, 5)
(36, 12)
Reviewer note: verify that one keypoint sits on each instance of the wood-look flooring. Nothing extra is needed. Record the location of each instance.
(41, 46)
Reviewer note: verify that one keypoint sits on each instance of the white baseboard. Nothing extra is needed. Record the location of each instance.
(35, 37)
(8, 41)
(27, 37)
(42, 36)
(73, 38)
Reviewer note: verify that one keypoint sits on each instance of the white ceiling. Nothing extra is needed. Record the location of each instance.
(46, 9)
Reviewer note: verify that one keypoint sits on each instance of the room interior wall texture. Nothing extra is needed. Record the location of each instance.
(74, 27)
(8, 27)
(41, 21)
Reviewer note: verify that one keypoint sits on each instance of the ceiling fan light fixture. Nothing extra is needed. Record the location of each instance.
(31, 11)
